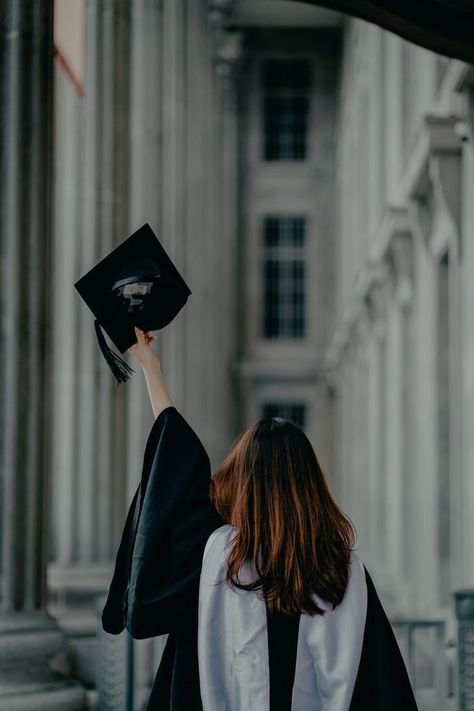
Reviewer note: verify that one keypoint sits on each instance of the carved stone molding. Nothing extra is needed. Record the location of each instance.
(227, 56)
(377, 299)
(339, 344)
(435, 182)
(227, 44)
(401, 254)
(220, 13)
(361, 327)
(466, 78)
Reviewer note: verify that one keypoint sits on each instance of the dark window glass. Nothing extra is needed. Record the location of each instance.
(285, 109)
(294, 411)
(284, 277)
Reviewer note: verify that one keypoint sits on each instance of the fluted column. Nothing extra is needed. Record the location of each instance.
(463, 495)
(91, 502)
(373, 441)
(360, 446)
(199, 204)
(343, 429)
(401, 500)
(173, 186)
(227, 52)
(394, 471)
(29, 636)
(425, 425)
(150, 176)
(351, 462)
(378, 429)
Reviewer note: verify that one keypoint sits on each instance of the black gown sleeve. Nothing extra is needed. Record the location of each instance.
(382, 682)
(155, 586)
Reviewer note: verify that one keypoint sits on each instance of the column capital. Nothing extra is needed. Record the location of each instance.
(434, 184)
(377, 300)
(220, 12)
(227, 56)
(401, 255)
(227, 44)
(29, 636)
(361, 324)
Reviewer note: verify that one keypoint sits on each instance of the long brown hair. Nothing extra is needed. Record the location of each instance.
(270, 487)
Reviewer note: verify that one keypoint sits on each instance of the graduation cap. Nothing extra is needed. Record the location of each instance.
(136, 284)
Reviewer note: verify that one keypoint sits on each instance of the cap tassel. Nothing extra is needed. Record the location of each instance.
(117, 365)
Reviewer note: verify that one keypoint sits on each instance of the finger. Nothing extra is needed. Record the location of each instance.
(139, 334)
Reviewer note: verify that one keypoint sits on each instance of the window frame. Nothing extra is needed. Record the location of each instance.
(264, 94)
(260, 136)
(262, 277)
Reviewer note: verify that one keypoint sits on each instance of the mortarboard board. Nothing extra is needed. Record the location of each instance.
(136, 284)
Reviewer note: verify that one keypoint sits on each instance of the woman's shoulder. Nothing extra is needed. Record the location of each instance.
(355, 558)
(219, 538)
(357, 581)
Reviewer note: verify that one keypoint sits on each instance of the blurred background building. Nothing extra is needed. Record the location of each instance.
(311, 175)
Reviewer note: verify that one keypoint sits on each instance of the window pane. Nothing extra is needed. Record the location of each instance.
(290, 74)
(285, 109)
(284, 277)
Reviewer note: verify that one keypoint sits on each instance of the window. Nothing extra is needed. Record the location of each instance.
(290, 411)
(285, 109)
(284, 277)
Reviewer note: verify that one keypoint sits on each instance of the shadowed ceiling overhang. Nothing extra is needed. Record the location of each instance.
(444, 26)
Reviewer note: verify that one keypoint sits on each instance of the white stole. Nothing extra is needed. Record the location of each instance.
(233, 641)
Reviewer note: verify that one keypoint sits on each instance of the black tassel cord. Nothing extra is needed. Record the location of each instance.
(117, 365)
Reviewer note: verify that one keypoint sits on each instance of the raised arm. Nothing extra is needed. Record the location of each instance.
(150, 363)
(155, 586)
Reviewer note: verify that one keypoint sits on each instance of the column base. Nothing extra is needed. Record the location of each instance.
(28, 640)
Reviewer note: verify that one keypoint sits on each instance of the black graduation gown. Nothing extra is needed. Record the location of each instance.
(155, 585)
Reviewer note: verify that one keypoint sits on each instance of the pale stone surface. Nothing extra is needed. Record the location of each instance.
(172, 137)
(29, 636)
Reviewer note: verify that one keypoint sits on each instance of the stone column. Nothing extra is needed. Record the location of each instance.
(436, 210)
(29, 636)
(373, 442)
(463, 494)
(377, 416)
(173, 187)
(360, 434)
(425, 426)
(227, 51)
(398, 463)
(196, 225)
(351, 461)
(343, 429)
(402, 251)
(149, 178)
(205, 404)
(393, 102)
(94, 491)
(111, 229)
(377, 120)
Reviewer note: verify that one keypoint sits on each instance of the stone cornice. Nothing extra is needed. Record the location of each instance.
(396, 220)
(433, 180)
(227, 44)
(465, 80)
(227, 56)
(220, 13)
(437, 137)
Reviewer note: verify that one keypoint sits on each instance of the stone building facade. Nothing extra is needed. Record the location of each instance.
(323, 222)
(400, 358)
(287, 203)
